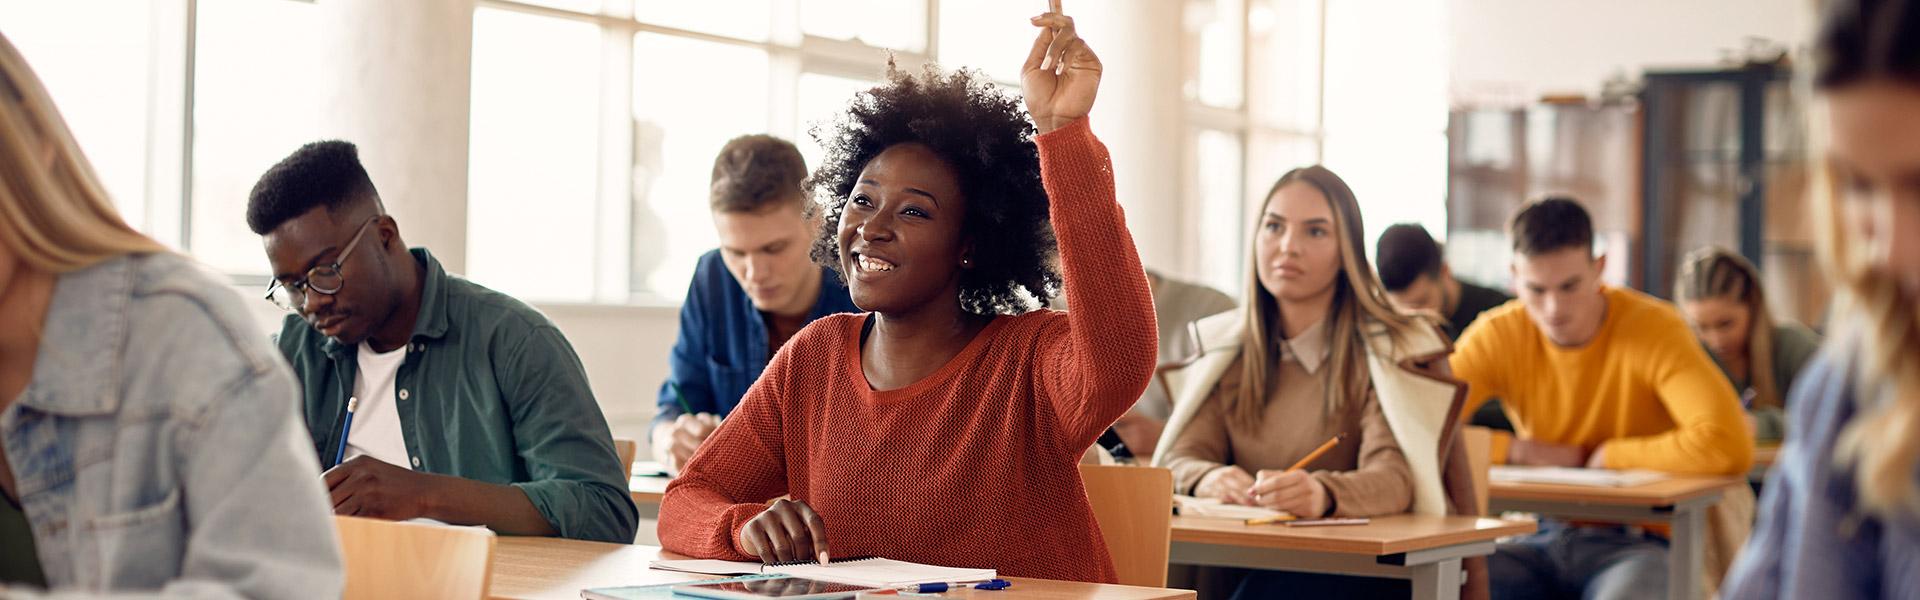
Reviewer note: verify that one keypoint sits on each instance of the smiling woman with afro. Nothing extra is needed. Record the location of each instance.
(953, 411)
(984, 136)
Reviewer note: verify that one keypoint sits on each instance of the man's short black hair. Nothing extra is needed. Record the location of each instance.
(1404, 253)
(324, 173)
(1550, 224)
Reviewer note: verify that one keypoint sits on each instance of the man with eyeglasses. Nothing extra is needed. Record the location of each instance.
(427, 396)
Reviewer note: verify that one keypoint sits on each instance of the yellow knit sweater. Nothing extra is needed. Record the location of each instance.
(1643, 389)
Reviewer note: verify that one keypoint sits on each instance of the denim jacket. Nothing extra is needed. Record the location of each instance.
(157, 449)
(1814, 539)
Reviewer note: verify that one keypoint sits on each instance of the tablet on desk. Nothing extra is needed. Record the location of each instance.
(793, 588)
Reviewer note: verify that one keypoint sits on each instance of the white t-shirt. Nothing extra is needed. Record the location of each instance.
(376, 424)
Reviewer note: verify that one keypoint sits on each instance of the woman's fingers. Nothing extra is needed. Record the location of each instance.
(817, 530)
(756, 535)
(799, 541)
(1037, 56)
(1063, 36)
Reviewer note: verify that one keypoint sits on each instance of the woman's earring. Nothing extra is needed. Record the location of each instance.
(966, 262)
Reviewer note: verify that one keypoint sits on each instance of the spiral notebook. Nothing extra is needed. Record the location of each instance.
(874, 572)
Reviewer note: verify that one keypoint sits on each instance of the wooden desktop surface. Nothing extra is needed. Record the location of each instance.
(1666, 492)
(556, 569)
(1382, 536)
(648, 489)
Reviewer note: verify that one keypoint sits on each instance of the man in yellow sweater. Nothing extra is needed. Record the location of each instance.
(1593, 376)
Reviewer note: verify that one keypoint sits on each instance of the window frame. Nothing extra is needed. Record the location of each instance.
(791, 53)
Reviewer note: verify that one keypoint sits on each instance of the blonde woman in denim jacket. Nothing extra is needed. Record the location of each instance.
(148, 443)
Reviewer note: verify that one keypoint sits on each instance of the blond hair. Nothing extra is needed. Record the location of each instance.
(1882, 442)
(1716, 272)
(1864, 41)
(1358, 299)
(54, 214)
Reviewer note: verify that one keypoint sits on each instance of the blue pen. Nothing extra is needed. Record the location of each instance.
(935, 588)
(346, 427)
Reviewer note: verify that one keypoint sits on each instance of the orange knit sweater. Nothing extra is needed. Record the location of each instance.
(972, 466)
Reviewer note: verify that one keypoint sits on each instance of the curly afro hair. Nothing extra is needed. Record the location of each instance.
(981, 132)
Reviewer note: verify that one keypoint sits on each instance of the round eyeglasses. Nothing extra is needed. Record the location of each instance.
(325, 279)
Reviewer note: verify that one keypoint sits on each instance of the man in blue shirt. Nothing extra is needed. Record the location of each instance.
(748, 297)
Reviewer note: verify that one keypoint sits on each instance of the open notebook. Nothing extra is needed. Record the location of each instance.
(874, 572)
(1189, 506)
(1572, 476)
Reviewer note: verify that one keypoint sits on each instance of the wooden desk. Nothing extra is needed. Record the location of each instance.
(556, 569)
(1764, 455)
(1424, 549)
(1677, 501)
(647, 491)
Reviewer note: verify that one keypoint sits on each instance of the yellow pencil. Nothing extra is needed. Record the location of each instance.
(1315, 454)
(1311, 456)
(1271, 520)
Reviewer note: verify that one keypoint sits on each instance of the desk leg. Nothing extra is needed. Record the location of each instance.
(1436, 581)
(1685, 554)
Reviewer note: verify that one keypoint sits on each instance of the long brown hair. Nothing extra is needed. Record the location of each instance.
(1358, 299)
(54, 214)
(1861, 41)
(1716, 272)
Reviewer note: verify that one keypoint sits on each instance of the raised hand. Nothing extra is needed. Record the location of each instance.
(1061, 75)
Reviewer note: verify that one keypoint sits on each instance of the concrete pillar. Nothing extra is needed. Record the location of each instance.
(1139, 116)
(397, 83)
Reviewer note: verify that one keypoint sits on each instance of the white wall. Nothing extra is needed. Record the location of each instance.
(1512, 51)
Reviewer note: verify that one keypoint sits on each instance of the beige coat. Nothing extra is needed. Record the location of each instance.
(1419, 398)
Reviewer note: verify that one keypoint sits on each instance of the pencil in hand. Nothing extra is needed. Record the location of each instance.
(1317, 452)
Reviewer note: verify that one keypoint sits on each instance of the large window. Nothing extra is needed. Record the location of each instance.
(533, 155)
(1316, 85)
(255, 99)
(1386, 111)
(594, 122)
(623, 193)
(1253, 89)
(676, 137)
(93, 57)
(178, 129)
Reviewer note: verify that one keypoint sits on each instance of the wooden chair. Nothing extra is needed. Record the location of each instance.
(390, 559)
(1479, 444)
(1134, 507)
(627, 449)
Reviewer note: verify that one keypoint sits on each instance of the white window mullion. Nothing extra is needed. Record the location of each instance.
(1320, 88)
(169, 123)
(783, 97)
(613, 254)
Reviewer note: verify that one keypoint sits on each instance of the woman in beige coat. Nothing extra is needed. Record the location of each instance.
(1316, 352)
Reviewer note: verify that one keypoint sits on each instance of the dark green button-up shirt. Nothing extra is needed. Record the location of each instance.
(489, 391)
